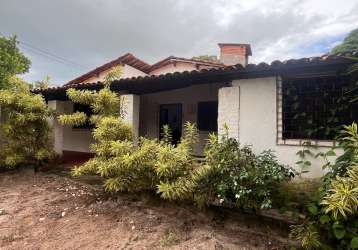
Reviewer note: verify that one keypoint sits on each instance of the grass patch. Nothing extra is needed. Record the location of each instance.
(169, 238)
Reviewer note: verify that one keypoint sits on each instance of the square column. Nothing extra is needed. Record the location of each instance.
(130, 112)
(228, 111)
(57, 129)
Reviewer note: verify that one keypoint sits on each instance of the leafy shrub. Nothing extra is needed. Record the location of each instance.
(127, 167)
(124, 165)
(308, 235)
(230, 173)
(24, 131)
(334, 215)
(238, 175)
(175, 165)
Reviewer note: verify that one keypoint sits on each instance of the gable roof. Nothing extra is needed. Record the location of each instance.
(172, 59)
(128, 59)
(133, 61)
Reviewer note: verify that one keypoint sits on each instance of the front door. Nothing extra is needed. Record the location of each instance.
(171, 114)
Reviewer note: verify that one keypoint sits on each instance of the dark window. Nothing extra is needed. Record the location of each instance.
(316, 108)
(85, 109)
(208, 116)
(171, 115)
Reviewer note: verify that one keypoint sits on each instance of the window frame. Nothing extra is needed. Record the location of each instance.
(279, 129)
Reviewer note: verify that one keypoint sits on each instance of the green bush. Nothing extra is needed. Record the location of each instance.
(124, 165)
(333, 216)
(24, 130)
(239, 176)
(229, 174)
(175, 165)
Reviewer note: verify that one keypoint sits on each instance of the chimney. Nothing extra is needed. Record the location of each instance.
(234, 53)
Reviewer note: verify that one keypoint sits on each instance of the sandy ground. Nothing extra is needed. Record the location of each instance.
(50, 211)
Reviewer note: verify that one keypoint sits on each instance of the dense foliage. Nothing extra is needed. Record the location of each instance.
(333, 217)
(236, 175)
(115, 159)
(12, 61)
(24, 130)
(176, 166)
(349, 44)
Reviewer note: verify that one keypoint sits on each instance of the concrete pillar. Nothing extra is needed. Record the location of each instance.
(57, 129)
(228, 111)
(131, 106)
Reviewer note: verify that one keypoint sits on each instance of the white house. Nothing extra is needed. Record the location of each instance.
(269, 106)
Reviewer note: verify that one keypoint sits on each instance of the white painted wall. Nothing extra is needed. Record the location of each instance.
(257, 126)
(75, 139)
(188, 97)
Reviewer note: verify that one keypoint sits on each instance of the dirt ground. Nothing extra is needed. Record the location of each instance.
(52, 211)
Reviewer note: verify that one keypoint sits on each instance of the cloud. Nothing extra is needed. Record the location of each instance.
(90, 33)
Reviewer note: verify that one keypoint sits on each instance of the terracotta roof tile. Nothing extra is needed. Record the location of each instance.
(128, 59)
(274, 67)
(171, 59)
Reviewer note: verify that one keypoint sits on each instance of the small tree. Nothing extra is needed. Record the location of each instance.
(175, 166)
(24, 131)
(42, 84)
(125, 166)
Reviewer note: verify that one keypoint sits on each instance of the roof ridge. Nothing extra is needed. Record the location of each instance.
(159, 63)
(127, 58)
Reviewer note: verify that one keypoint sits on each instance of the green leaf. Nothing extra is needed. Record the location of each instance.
(324, 219)
(307, 163)
(331, 153)
(354, 243)
(312, 208)
(339, 231)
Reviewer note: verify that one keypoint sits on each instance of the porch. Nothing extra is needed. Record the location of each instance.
(207, 105)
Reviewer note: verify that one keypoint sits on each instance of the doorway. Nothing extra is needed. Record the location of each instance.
(171, 115)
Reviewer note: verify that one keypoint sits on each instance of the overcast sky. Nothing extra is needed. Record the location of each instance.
(65, 38)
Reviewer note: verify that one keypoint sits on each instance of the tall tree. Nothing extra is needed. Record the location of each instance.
(349, 44)
(12, 61)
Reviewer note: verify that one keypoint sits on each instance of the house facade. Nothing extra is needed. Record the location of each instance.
(268, 106)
